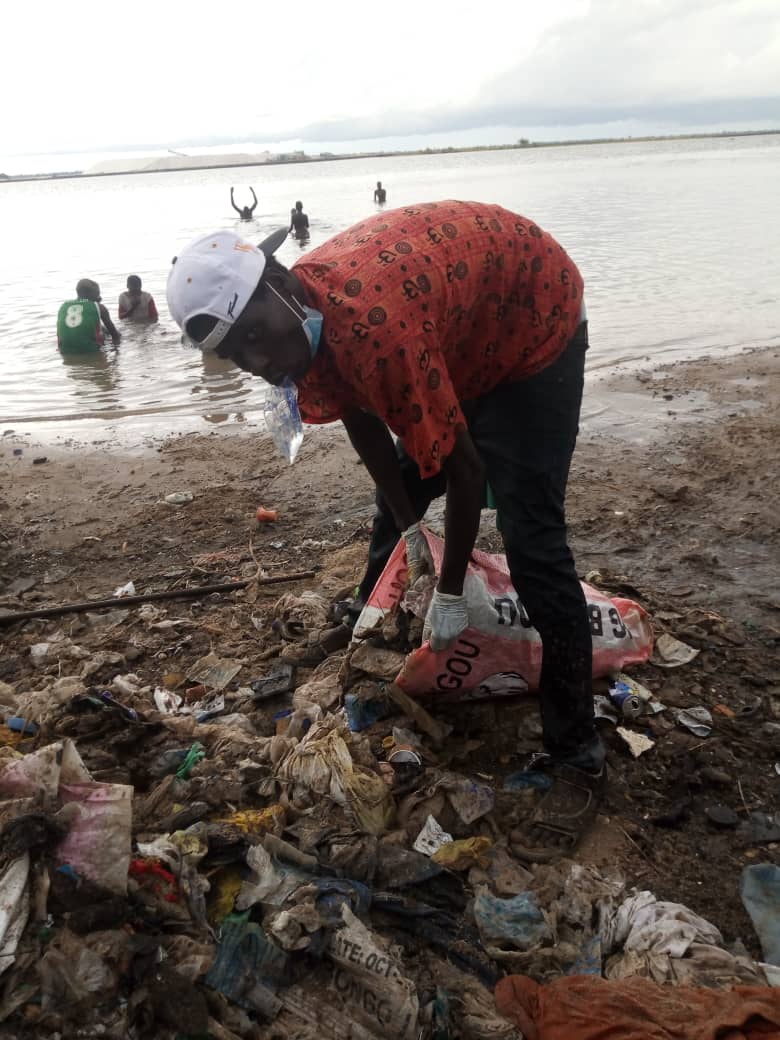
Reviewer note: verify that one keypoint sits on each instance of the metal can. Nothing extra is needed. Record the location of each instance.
(629, 705)
(404, 754)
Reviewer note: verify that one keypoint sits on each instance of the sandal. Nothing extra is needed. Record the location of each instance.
(563, 815)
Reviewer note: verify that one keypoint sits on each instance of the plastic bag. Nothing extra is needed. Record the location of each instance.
(14, 907)
(500, 639)
(283, 420)
(98, 815)
(321, 763)
(760, 892)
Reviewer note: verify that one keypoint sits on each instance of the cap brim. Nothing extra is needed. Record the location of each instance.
(269, 245)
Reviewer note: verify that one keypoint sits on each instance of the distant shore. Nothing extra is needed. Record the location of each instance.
(286, 160)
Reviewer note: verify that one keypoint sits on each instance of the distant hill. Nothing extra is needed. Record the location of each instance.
(178, 162)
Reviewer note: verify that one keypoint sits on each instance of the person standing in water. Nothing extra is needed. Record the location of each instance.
(80, 322)
(135, 304)
(299, 222)
(380, 195)
(245, 212)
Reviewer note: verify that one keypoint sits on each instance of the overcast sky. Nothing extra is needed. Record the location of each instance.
(332, 76)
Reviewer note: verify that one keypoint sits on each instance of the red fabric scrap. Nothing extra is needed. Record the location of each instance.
(586, 1007)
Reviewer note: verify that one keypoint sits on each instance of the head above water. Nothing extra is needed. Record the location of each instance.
(236, 299)
(133, 283)
(299, 205)
(87, 289)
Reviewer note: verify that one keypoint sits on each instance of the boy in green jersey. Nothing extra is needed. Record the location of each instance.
(80, 322)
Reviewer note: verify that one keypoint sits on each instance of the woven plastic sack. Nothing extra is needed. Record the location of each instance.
(500, 653)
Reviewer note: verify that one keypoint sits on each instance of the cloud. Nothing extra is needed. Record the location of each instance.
(685, 63)
(657, 65)
(632, 54)
(729, 113)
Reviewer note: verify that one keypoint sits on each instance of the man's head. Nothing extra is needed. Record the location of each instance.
(133, 283)
(86, 289)
(299, 206)
(236, 299)
(379, 184)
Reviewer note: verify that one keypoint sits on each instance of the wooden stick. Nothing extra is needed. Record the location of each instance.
(148, 597)
(437, 731)
(638, 847)
(741, 795)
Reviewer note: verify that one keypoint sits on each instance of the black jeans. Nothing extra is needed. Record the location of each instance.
(525, 435)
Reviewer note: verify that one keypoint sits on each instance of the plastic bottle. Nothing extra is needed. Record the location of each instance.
(283, 419)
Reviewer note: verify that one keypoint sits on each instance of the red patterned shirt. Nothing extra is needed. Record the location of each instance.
(428, 306)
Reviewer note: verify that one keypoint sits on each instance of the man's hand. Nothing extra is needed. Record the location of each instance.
(447, 617)
(418, 555)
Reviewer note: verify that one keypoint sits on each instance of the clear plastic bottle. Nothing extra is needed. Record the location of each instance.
(283, 419)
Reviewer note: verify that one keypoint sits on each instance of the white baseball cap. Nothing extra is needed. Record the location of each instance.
(217, 275)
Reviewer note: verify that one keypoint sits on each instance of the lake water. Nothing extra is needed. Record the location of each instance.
(678, 243)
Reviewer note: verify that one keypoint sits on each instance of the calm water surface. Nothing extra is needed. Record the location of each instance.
(678, 243)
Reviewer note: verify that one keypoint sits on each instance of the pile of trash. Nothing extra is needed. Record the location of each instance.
(308, 853)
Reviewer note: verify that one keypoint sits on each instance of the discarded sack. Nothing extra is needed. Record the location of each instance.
(500, 639)
(368, 984)
(98, 815)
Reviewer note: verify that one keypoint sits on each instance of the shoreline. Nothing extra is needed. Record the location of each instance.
(527, 145)
(613, 400)
(637, 422)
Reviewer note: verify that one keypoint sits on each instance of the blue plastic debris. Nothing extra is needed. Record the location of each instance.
(363, 713)
(517, 921)
(760, 892)
(246, 955)
(531, 779)
(20, 725)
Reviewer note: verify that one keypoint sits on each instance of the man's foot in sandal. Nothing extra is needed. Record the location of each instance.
(564, 814)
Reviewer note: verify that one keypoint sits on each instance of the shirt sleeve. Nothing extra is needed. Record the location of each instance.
(411, 390)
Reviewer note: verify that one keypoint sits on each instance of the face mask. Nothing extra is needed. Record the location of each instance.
(311, 322)
(312, 327)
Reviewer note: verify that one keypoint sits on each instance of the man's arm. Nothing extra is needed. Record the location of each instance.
(233, 203)
(252, 207)
(152, 312)
(465, 475)
(112, 330)
(373, 442)
(465, 492)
